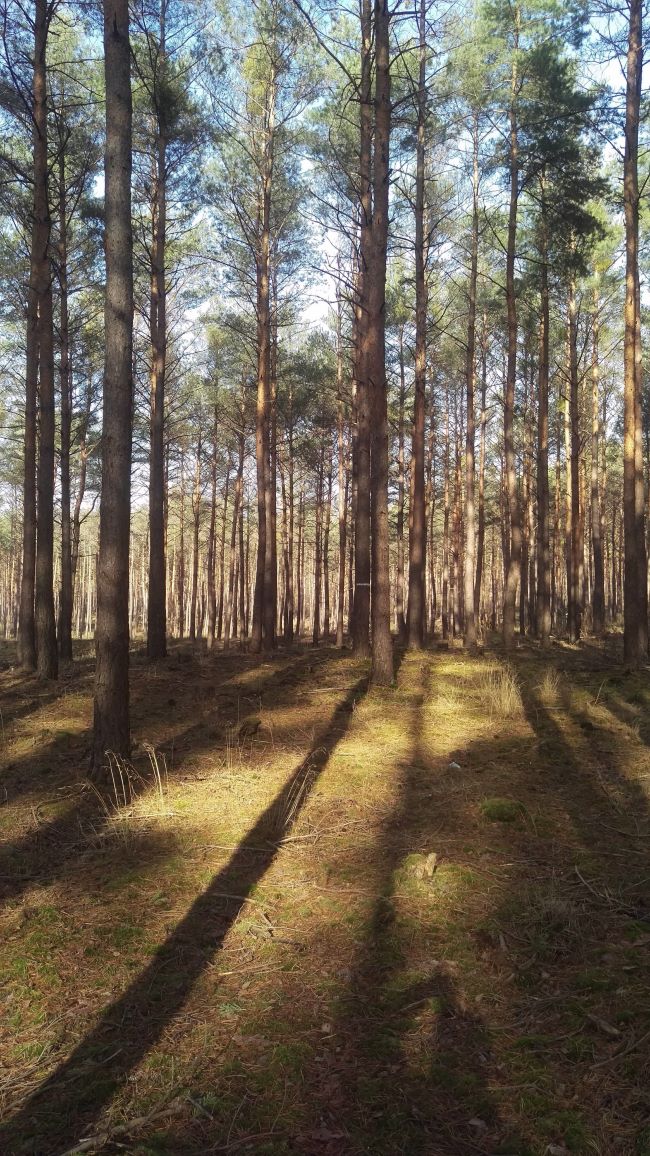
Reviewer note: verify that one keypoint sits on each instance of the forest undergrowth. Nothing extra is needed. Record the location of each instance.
(316, 918)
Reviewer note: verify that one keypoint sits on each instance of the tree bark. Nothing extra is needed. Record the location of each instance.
(45, 624)
(399, 584)
(574, 591)
(211, 574)
(196, 524)
(514, 551)
(341, 478)
(635, 625)
(361, 607)
(543, 617)
(157, 602)
(480, 542)
(470, 377)
(111, 700)
(382, 643)
(65, 377)
(417, 516)
(598, 596)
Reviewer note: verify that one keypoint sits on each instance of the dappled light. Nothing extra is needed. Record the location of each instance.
(419, 931)
(324, 598)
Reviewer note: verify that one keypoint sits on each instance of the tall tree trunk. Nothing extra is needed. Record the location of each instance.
(327, 515)
(300, 567)
(574, 592)
(157, 602)
(180, 574)
(196, 524)
(111, 701)
(445, 526)
(399, 584)
(81, 481)
(26, 626)
(231, 603)
(341, 476)
(222, 552)
(598, 597)
(417, 517)
(635, 625)
(543, 523)
(382, 643)
(470, 377)
(45, 625)
(263, 633)
(361, 607)
(211, 576)
(514, 552)
(480, 543)
(318, 550)
(65, 377)
(271, 559)
(290, 593)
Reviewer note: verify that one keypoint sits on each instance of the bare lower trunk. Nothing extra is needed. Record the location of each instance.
(111, 701)
(635, 631)
(196, 525)
(45, 626)
(543, 618)
(65, 377)
(514, 551)
(470, 377)
(574, 591)
(361, 608)
(598, 597)
(399, 585)
(341, 483)
(382, 644)
(157, 600)
(480, 543)
(417, 517)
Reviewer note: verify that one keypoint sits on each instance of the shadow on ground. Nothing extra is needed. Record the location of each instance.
(73, 1097)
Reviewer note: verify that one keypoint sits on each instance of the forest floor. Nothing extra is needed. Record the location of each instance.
(247, 948)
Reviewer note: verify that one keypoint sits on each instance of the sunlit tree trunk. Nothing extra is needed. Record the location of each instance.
(263, 632)
(417, 517)
(635, 625)
(574, 592)
(382, 643)
(157, 599)
(196, 524)
(361, 607)
(340, 445)
(598, 596)
(470, 378)
(111, 701)
(399, 584)
(327, 514)
(210, 564)
(480, 542)
(543, 619)
(514, 550)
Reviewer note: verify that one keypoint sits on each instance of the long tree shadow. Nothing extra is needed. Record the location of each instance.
(406, 1064)
(596, 785)
(411, 1054)
(72, 1098)
(50, 849)
(429, 1094)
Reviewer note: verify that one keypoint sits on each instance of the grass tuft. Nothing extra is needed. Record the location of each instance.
(499, 692)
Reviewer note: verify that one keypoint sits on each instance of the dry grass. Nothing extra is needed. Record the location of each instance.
(316, 995)
(500, 693)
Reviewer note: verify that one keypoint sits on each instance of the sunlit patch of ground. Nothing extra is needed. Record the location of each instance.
(316, 919)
